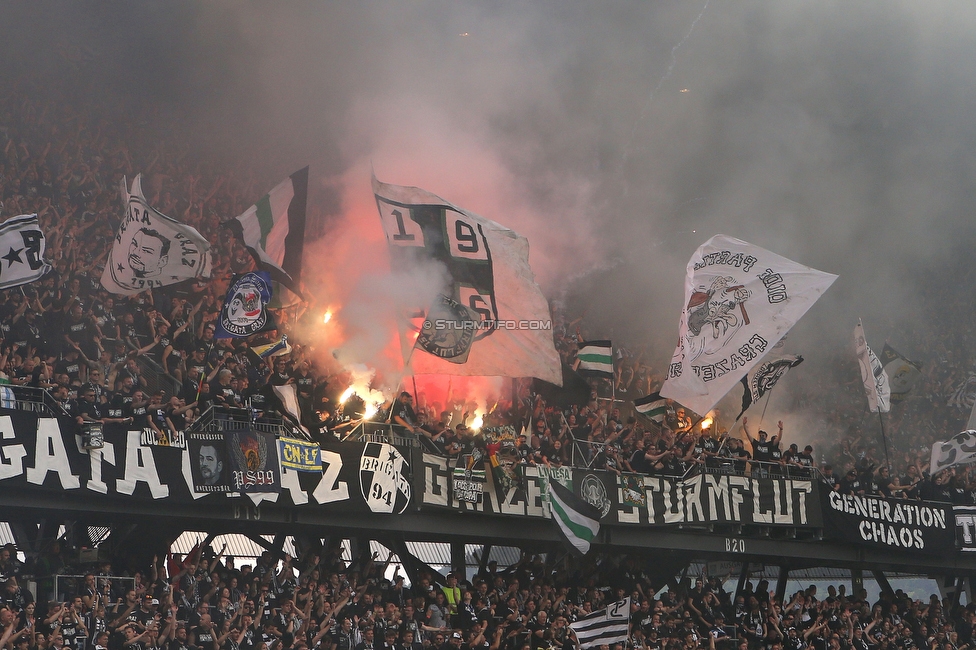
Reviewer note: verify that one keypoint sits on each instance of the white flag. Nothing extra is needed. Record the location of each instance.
(21, 251)
(872, 374)
(960, 449)
(489, 272)
(739, 301)
(152, 250)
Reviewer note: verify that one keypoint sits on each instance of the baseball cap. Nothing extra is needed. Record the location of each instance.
(456, 635)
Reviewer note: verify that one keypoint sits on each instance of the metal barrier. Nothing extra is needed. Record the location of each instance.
(156, 377)
(28, 398)
(67, 586)
(393, 434)
(584, 454)
(224, 418)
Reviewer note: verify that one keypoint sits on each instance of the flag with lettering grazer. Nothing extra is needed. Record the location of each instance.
(152, 250)
(740, 300)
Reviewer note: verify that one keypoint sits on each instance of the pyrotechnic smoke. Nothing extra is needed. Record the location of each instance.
(839, 136)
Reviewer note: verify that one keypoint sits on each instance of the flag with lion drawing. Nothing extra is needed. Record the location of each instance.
(740, 300)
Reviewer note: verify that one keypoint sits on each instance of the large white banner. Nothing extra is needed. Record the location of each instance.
(152, 250)
(488, 270)
(739, 301)
(22, 247)
(960, 449)
(873, 374)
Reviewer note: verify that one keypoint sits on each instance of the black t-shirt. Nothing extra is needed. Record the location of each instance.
(762, 450)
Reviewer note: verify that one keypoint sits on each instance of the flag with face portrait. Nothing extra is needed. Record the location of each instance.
(740, 300)
(903, 373)
(152, 250)
(245, 309)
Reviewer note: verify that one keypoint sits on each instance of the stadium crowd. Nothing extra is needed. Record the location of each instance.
(206, 602)
(95, 352)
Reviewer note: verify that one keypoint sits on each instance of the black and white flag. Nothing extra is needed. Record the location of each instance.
(761, 379)
(152, 250)
(273, 230)
(21, 251)
(873, 374)
(606, 626)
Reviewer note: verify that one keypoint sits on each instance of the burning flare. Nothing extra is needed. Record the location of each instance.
(707, 423)
(327, 317)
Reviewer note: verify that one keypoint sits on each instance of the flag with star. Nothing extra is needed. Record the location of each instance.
(152, 250)
(21, 251)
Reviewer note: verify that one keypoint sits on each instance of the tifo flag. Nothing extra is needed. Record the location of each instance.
(152, 250)
(22, 246)
(448, 330)
(487, 267)
(578, 521)
(595, 358)
(761, 379)
(960, 449)
(962, 394)
(606, 626)
(872, 374)
(284, 400)
(273, 230)
(245, 310)
(903, 373)
(653, 406)
(739, 301)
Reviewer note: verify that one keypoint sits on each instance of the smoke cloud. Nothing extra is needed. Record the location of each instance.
(617, 137)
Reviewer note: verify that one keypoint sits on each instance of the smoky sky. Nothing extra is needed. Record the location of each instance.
(616, 136)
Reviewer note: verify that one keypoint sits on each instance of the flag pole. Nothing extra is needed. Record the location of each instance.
(884, 440)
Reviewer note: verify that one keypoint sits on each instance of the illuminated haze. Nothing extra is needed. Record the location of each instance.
(612, 135)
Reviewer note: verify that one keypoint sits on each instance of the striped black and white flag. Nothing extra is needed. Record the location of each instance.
(607, 626)
(577, 521)
(653, 406)
(273, 230)
(595, 359)
(22, 248)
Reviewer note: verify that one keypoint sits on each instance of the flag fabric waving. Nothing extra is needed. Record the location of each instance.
(653, 406)
(22, 244)
(487, 268)
(276, 349)
(761, 379)
(152, 250)
(449, 330)
(960, 449)
(595, 359)
(872, 374)
(273, 230)
(739, 301)
(577, 521)
(903, 373)
(245, 310)
(605, 626)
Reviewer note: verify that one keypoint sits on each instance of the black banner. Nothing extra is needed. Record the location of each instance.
(891, 524)
(965, 518)
(44, 453)
(718, 498)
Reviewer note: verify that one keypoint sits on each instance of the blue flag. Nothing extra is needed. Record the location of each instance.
(245, 311)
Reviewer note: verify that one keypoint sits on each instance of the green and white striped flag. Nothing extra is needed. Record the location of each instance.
(273, 230)
(577, 521)
(653, 406)
(595, 358)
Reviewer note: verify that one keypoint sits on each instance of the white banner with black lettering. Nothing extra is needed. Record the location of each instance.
(740, 300)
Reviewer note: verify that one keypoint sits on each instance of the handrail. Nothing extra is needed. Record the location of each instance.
(29, 398)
